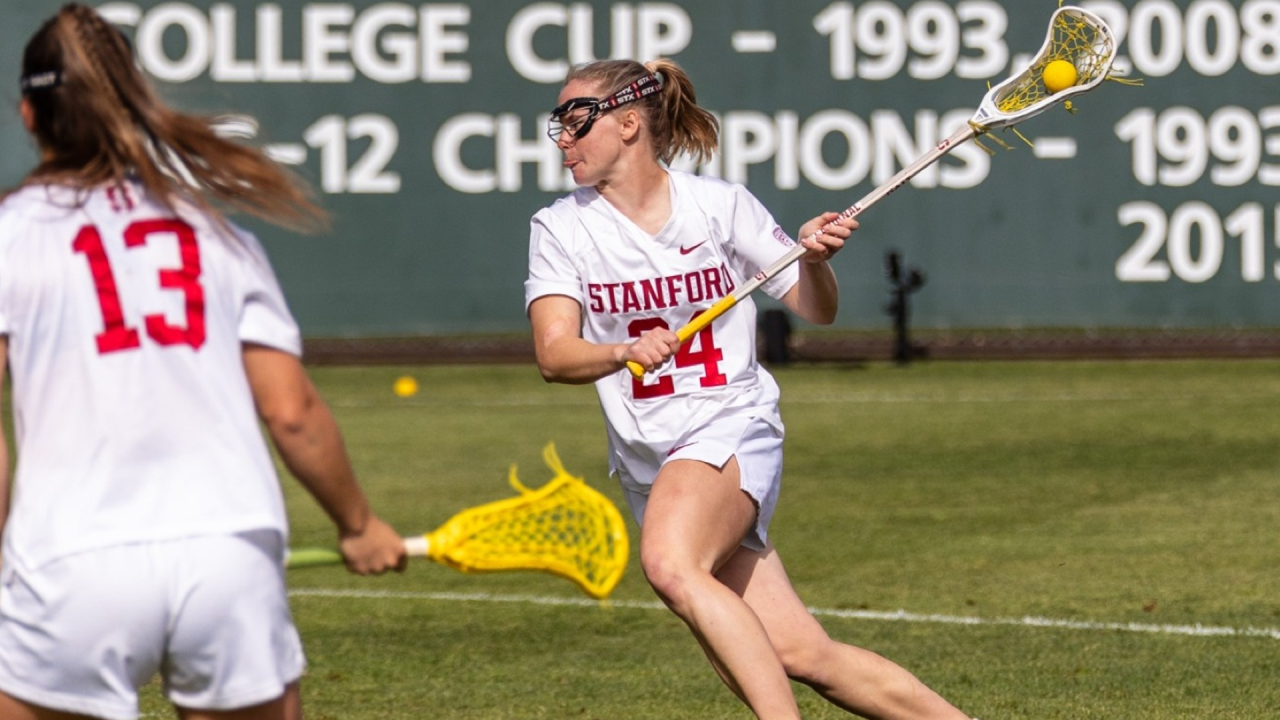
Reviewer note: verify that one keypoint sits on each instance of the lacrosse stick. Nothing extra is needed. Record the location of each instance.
(1075, 35)
(565, 528)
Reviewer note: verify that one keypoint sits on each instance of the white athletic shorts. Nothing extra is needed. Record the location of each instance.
(758, 447)
(209, 614)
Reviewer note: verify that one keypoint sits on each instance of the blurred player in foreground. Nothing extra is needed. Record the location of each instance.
(614, 269)
(146, 336)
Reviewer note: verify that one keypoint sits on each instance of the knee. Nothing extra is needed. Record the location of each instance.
(807, 662)
(827, 666)
(667, 575)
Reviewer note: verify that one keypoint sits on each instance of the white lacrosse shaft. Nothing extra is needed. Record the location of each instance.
(988, 117)
(904, 176)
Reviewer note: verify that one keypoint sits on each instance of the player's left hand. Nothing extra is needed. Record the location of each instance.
(824, 235)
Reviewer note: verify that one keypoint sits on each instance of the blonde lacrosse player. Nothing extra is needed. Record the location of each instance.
(146, 335)
(636, 252)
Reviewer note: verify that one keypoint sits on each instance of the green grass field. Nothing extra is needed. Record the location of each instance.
(1106, 531)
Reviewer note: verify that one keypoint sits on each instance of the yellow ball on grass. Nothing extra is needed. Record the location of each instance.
(1059, 75)
(405, 386)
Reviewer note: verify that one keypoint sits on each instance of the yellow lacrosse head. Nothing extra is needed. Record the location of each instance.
(1074, 37)
(565, 527)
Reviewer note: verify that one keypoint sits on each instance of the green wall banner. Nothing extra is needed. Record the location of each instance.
(422, 127)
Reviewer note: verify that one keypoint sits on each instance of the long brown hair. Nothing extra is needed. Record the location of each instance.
(98, 121)
(675, 120)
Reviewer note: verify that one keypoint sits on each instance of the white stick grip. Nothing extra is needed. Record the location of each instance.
(416, 546)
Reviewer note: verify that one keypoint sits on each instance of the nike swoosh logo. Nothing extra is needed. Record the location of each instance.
(673, 450)
(686, 250)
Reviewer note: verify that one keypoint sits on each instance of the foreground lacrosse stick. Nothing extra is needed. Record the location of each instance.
(565, 528)
(1075, 36)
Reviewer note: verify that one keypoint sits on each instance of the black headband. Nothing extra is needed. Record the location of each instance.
(43, 80)
(647, 85)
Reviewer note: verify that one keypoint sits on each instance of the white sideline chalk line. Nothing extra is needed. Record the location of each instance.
(827, 399)
(1196, 630)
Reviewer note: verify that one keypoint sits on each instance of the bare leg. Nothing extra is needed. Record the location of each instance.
(695, 519)
(11, 708)
(851, 678)
(285, 707)
(293, 702)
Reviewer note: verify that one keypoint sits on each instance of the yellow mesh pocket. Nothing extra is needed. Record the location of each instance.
(566, 528)
(1072, 38)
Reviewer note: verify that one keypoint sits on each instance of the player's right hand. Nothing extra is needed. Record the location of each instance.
(652, 349)
(375, 550)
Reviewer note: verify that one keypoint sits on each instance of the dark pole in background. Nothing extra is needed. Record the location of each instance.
(903, 281)
(776, 329)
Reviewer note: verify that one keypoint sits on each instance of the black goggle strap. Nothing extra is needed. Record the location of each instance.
(44, 80)
(645, 86)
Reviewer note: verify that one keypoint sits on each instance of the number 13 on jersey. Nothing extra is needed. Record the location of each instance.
(116, 334)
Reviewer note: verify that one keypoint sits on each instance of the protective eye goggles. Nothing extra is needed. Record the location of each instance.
(569, 116)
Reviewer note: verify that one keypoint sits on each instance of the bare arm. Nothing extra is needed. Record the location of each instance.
(310, 443)
(565, 357)
(816, 296)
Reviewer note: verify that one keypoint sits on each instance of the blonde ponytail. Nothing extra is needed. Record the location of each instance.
(676, 123)
(680, 125)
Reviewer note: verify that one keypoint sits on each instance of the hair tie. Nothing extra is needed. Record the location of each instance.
(657, 75)
(44, 80)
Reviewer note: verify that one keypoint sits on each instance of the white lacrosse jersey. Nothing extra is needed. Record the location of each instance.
(628, 281)
(133, 416)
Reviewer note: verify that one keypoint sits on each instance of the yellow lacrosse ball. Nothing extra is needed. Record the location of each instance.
(1059, 75)
(405, 387)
